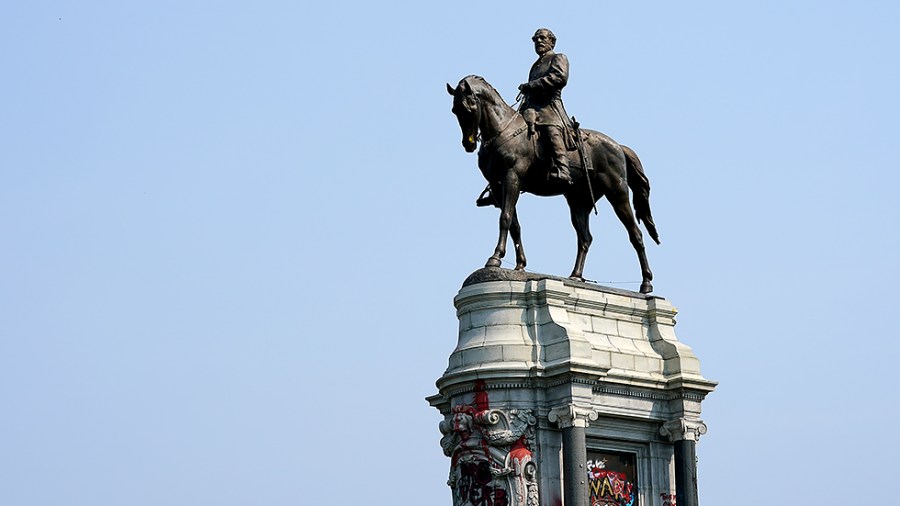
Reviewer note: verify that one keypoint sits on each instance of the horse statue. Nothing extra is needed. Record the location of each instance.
(512, 163)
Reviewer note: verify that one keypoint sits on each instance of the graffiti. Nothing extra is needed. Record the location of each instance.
(611, 479)
(597, 464)
(474, 485)
(481, 396)
(609, 488)
(490, 450)
(667, 499)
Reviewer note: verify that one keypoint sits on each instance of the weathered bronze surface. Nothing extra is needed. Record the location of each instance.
(514, 161)
(542, 100)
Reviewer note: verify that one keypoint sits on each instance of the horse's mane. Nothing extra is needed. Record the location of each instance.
(495, 94)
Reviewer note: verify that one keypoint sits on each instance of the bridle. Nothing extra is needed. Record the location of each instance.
(487, 143)
(501, 131)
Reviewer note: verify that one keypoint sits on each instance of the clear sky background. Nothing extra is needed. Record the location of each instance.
(232, 232)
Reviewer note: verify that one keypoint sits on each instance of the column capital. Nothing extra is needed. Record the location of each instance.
(572, 416)
(683, 429)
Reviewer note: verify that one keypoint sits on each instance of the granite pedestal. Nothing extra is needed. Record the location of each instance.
(563, 392)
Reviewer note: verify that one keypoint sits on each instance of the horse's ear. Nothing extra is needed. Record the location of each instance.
(450, 90)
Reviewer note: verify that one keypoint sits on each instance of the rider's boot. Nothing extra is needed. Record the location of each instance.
(486, 198)
(560, 173)
(560, 170)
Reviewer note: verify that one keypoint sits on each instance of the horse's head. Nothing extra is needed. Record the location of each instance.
(467, 109)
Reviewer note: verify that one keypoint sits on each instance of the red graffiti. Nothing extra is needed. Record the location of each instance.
(667, 499)
(519, 451)
(462, 426)
(482, 404)
(610, 488)
(479, 470)
(597, 474)
(471, 444)
(475, 488)
(481, 396)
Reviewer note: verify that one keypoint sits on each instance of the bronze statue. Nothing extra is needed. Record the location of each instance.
(542, 97)
(512, 161)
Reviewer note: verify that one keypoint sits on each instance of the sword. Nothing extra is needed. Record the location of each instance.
(588, 166)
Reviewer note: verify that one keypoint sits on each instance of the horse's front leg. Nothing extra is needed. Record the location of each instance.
(507, 213)
(515, 231)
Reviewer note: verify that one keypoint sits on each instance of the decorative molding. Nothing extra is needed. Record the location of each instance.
(492, 456)
(647, 394)
(571, 379)
(529, 383)
(470, 387)
(572, 416)
(598, 388)
(683, 429)
(628, 392)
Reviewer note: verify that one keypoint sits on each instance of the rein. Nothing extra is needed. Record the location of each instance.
(487, 143)
(503, 129)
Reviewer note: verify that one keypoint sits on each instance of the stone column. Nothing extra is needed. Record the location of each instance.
(684, 434)
(536, 359)
(573, 421)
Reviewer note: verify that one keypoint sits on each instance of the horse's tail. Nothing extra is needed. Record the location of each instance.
(640, 191)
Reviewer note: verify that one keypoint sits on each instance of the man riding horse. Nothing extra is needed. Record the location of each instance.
(508, 160)
(542, 106)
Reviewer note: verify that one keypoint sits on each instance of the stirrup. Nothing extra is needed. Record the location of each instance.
(556, 175)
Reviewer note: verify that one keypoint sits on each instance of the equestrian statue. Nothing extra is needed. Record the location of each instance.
(540, 150)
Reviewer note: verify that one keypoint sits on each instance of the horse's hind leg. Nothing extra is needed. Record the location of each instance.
(618, 198)
(515, 231)
(580, 213)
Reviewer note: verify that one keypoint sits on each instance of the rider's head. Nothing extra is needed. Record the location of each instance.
(544, 40)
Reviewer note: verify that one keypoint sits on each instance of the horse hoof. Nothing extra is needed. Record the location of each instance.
(576, 278)
(493, 262)
(646, 287)
(520, 267)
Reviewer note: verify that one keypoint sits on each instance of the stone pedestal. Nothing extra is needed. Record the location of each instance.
(562, 392)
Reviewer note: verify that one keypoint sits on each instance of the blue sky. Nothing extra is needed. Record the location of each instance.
(231, 236)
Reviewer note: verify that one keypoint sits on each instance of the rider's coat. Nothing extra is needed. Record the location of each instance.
(543, 92)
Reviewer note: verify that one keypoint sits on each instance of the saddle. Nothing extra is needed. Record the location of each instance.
(486, 198)
(541, 148)
(543, 152)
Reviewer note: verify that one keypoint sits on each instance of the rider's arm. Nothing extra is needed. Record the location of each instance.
(556, 78)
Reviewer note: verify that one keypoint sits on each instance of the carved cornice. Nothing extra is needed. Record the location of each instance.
(569, 379)
(470, 387)
(572, 416)
(524, 383)
(629, 392)
(683, 429)
(598, 388)
(659, 395)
